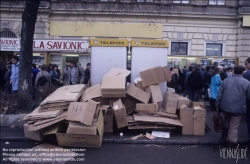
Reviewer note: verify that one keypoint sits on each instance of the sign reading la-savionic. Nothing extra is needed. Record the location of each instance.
(13, 44)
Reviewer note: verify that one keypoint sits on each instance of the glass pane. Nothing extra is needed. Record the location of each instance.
(221, 2)
(177, 1)
(179, 48)
(185, 1)
(214, 49)
(212, 1)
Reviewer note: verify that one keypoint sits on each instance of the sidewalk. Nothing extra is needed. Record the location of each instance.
(16, 133)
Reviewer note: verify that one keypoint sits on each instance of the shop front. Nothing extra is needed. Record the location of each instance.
(8, 47)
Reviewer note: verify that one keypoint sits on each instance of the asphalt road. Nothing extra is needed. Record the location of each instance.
(146, 154)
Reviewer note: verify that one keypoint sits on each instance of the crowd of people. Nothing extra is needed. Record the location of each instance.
(227, 89)
(43, 77)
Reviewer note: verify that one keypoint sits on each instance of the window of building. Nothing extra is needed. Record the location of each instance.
(8, 34)
(213, 49)
(179, 48)
(217, 2)
(145, 0)
(180, 1)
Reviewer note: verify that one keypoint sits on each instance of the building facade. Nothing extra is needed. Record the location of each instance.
(202, 32)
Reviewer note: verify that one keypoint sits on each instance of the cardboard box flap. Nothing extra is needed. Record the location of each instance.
(156, 93)
(100, 123)
(91, 92)
(104, 107)
(183, 106)
(166, 73)
(113, 83)
(88, 113)
(137, 93)
(158, 120)
(117, 72)
(35, 128)
(159, 74)
(117, 104)
(197, 103)
(51, 130)
(75, 111)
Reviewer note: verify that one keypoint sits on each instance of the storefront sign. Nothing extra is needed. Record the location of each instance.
(149, 43)
(10, 44)
(109, 42)
(61, 45)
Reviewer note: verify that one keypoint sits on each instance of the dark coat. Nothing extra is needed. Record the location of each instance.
(54, 75)
(34, 73)
(195, 81)
(87, 76)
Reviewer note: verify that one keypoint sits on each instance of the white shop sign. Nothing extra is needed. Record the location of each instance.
(10, 44)
(61, 45)
(13, 44)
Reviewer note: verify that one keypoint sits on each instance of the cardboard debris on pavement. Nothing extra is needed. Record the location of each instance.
(91, 92)
(119, 113)
(137, 93)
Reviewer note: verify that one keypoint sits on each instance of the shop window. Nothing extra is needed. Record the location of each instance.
(213, 49)
(217, 2)
(180, 1)
(179, 48)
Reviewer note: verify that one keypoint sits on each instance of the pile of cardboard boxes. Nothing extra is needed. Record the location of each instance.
(83, 119)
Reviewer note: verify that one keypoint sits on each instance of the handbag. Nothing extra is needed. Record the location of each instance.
(42, 80)
(218, 123)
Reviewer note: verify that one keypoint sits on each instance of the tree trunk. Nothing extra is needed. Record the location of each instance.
(26, 54)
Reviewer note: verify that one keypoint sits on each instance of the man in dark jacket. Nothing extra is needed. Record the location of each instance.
(231, 99)
(207, 81)
(195, 83)
(87, 73)
(190, 69)
(247, 76)
(35, 71)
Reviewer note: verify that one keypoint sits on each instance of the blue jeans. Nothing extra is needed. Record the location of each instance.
(248, 117)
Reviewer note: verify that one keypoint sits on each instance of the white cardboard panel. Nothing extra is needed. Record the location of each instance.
(143, 58)
(103, 59)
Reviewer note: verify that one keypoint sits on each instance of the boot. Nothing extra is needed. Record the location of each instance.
(223, 138)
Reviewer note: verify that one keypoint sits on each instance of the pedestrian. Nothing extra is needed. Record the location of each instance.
(175, 79)
(54, 75)
(232, 99)
(49, 68)
(215, 86)
(14, 73)
(190, 69)
(247, 76)
(229, 72)
(7, 79)
(66, 73)
(87, 73)
(195, 83)
(40, 84)
(207, 81)
(223, 74)
(75, 74)
(35, 71)
(171, 73)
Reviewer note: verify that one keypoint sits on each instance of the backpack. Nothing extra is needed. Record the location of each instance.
(42, 80)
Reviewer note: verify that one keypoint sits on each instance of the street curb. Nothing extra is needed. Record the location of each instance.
(121, 141)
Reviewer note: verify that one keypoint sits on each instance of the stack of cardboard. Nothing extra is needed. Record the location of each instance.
(51, 111)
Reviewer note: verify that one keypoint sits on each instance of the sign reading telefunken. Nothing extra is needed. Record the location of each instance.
(13, 44)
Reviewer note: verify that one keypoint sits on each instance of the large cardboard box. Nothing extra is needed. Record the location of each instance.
(155, 75)
(170, 102)
(80, 128)
(35, 135)
(156, 93)
(120, 113)
(113, 87)
(80, 140)
(146, 108)
(137, 93)
(199, 120)
(182, 100)
(108, 115)
(186, 117)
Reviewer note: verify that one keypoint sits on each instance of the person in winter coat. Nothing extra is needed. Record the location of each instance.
(7, 79)
(54, 75)
(87, 73)
(66, 75)
(175, 79)
(187, 88)
(247, 76)
(75, 74)
(195, 83)
(207, 81)
(215, 86)
(14, 73)
(44, 72)
(232, 98)
(35, 71)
